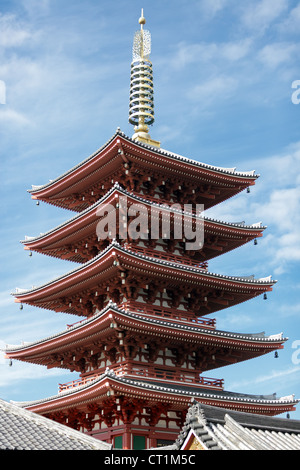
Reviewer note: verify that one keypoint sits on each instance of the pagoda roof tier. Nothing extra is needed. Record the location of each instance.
(119, 328)
(76, 239)
(133, 164)
(118, 272)
(178, 396)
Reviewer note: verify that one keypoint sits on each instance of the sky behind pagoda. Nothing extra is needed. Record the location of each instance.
(223, 75)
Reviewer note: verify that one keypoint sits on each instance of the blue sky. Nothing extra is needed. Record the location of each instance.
(223, 74)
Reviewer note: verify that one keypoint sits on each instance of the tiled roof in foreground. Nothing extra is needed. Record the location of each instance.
(24, 430)
(211, 428)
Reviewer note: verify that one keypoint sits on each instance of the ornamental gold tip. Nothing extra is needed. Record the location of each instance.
(141, 107)
(142, 19)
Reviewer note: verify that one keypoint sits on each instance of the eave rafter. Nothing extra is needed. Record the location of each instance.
(77, 239)
(121, 274)
(115, 333)
(133, 165)
(105, 392)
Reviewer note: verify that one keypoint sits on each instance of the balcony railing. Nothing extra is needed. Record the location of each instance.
(77, 383)
(153, 374)
(171, 313)
(165, 313)
(162, 255)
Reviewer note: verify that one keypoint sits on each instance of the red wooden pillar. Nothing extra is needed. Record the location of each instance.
(127, 438)
(152, 441)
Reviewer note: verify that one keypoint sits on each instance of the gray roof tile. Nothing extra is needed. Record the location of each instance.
(21, 429)
(223, 429)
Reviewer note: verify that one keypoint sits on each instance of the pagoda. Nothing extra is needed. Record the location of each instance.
(146, 340)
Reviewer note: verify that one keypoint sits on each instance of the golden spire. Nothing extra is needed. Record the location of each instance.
(141, 107)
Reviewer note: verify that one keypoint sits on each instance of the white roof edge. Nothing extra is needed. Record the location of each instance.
(265, 279)
(118, 132)
(114, 306)
(213, 167)
(114, 244)
(276, 336)
(159, 387)
(288, 398)
(117, 186)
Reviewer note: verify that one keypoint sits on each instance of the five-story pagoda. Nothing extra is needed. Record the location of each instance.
(145, 340)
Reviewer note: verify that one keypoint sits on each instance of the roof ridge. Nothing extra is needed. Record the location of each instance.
(117, 186)
(181, 267)
(258, 337)
(166, 387)
(228, 171)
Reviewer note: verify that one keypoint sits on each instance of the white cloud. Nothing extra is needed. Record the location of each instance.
(5, 299)
(277, 204)
(209, 9)
(261, 379)
(213, 53)
(10, 116)
(283, 168)
(258, 16)
(290, 24)
(19, 372)
(281, 207)
(234, 51)
(213, 90)
(290, 310)
(273, 55)
(2, 92)
(12, 31)
(190, 53)
(36, 8)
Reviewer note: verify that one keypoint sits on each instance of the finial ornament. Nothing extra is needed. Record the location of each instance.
(141, 107)
(142, 19)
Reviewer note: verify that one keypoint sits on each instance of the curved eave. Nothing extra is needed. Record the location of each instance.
(179, 396)
(107, 158)
(103, 322)
(116, 258)
(85, 224)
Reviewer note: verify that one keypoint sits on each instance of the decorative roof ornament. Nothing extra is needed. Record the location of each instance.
(141, 106)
